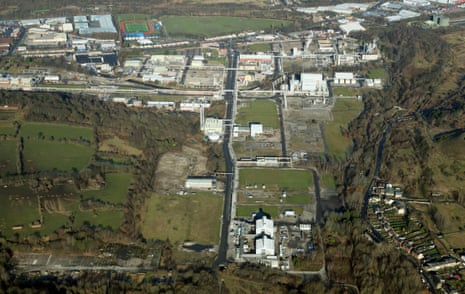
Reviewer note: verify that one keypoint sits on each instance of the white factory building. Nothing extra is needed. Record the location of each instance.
(213, 125)
(264, 246)
(255, 129)
(313, 84)
(264, 231)
(344, 79)
(264, 225)
(200, 183)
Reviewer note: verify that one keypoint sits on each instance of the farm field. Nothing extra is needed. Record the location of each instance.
(210, 26)
(262, 111)
(344, 111)
(46, 155)
(194, 217)
(116, 187)
(8, 156)
(19, 208)
(277, 179)
(58, 131)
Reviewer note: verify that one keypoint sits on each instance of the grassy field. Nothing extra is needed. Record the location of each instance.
(327, 182)
(277, 179)
(132, 17)
(32, 130)
(104, 218)
(119, 146)
(262, 111)
(345, 91)
(135, 27)
(116, 187)
(19, 207)
(452, 222)
(246, 211)
(265, 47)
(210, 26)
(377, 73)
(179, 218)
(8, 156)
(343, 112)
(46, 155)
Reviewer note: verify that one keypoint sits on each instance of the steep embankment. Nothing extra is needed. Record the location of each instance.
(424, 96)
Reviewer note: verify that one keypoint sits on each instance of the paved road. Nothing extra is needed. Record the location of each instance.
(229, 99)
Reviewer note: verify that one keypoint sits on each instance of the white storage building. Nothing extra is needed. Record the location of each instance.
(344, 78)
(200, 183)
(264, 245)
(264, 225)
(314, 84)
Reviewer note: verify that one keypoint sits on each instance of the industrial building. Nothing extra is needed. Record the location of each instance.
(200, 183)
(94, 24)
(255, 129)
(344, 79)
(352, 26)
(194, 105)
(313, 84)
(257, 62)
(45, 38)
(97, 60)
(264, 225)
(264, 245)
(213, 125)
(170, 105)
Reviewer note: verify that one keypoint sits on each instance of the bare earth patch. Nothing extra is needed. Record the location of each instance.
(174, 167)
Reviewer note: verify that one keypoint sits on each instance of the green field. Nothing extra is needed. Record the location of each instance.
(6, 130)
(327, 182)
(116, 188)
(132, 17)
(346, 91)
(377, 73)
(291, 180)
(104, 218)
(298, 199)
(46, 155)
(264, 47)
(8, 156)
(133, 27)
(262, 111)
(194, 217)
(209, 26)
(247, 210)
(34, 130)
(344, 111)
(18, 208)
